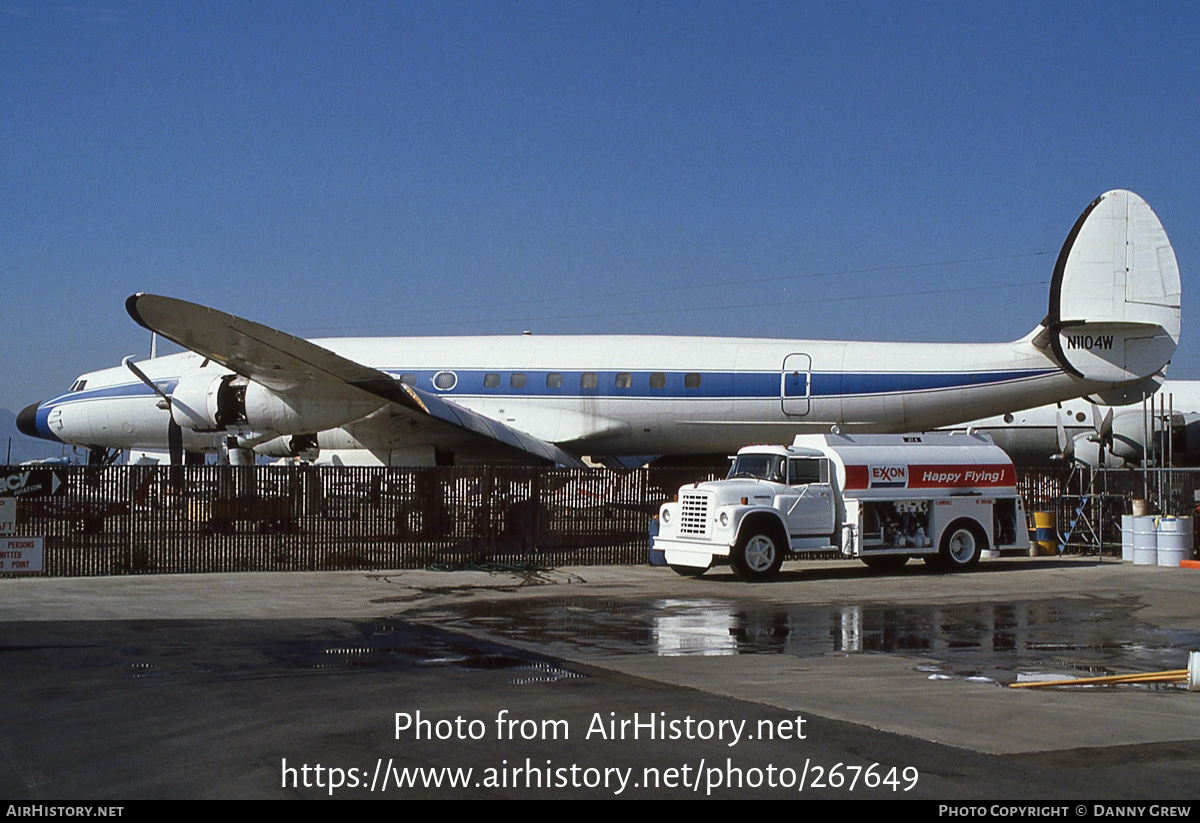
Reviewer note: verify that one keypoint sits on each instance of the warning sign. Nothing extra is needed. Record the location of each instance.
(20, 554)
(8, 515)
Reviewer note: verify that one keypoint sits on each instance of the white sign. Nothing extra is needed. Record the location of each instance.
(8, 515)
(20, 554)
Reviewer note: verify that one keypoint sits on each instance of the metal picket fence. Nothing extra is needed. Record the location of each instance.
(157, 519)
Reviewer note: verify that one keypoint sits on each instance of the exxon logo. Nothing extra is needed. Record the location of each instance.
(889, 477)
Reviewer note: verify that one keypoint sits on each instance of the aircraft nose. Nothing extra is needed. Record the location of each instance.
(27, 420)
(27, 423)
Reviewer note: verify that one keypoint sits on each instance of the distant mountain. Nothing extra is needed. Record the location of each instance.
(16, 447)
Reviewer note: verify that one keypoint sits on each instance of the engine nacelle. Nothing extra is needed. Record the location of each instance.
(204, 401)
(1129, 433)
(1187, 447)
(1129, 436)
(209, 401)
(267, 411)
(1089, 452)
(303, 446)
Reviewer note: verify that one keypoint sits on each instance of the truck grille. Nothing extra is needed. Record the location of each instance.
(693, 514)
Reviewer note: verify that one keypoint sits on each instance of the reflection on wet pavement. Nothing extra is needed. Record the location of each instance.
(251, 650)
(990, 640)
(394, 646)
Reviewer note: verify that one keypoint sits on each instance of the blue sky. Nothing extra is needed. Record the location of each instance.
(863, 171)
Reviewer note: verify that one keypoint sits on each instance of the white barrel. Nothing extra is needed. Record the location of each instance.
(1127, 538)
(1174, 540)
(1145, 541)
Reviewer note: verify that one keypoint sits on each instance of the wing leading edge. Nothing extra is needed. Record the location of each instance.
(287, 364)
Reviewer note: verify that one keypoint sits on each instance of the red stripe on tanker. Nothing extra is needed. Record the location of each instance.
(940, 476)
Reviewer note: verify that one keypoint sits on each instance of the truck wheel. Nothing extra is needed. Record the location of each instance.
(756, 556)
(886, 563)
(961, 545)
(688, 571)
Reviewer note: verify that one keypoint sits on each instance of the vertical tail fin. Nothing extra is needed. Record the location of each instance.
(1114, 298)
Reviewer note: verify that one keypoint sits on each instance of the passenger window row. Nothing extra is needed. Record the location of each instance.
(589, 380)
(446, 380)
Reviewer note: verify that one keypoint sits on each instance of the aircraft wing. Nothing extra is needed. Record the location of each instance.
(284, 364)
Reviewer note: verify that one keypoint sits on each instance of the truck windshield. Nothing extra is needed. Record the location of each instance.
(762, 466)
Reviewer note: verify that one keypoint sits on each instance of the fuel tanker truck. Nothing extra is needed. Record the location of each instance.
(883, 498)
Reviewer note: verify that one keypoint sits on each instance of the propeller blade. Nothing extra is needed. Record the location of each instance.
(1102, 427)
(141, 375)
(1066, 444)
(175, 443)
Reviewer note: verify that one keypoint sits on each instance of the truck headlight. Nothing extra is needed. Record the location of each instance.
(723, 519)
(666, 515)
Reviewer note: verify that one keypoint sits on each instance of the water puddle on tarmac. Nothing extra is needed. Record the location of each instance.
(988, 640)
(395, 646)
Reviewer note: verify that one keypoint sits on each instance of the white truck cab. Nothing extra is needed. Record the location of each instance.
(883, 498)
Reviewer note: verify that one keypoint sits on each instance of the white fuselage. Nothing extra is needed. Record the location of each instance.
(623, 395)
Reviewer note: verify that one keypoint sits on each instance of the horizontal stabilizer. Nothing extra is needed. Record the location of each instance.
(1128, 394)
(1114, 299)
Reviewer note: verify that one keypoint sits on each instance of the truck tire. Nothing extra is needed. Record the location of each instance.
(961, 545)
(756, 556)
(688, 571)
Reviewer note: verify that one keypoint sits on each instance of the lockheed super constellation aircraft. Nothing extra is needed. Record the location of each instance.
(1112, 326)
(1167, 427)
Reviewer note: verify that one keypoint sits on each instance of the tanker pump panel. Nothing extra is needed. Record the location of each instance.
(882, 498)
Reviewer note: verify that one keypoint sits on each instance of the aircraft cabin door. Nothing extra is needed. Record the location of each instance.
(795, 384)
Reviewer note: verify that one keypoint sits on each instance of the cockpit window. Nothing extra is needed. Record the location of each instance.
(78, 385)
(763, 466)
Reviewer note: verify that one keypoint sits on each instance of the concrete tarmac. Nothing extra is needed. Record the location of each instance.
(600, 682)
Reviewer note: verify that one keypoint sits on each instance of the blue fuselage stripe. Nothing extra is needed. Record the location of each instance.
(713, 385)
